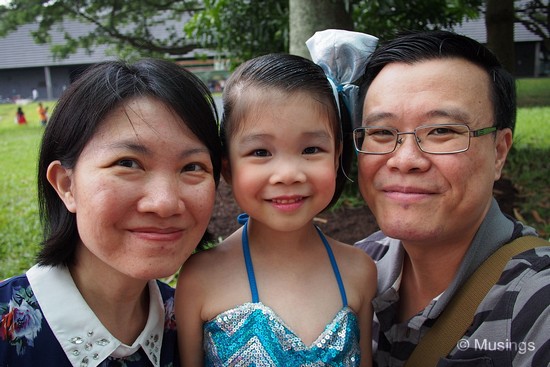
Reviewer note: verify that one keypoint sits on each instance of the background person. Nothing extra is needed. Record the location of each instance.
(438, 115)
(127, 173)
(20, 116)
(42, 114)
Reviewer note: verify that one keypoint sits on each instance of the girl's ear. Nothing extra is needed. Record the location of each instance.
(61, 180)
(226, 170)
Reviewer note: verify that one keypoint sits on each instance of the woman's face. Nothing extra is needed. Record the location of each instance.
(142, 190)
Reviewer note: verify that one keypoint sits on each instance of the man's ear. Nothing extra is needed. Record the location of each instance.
(61, 180)
(502, 147)
(226, 170)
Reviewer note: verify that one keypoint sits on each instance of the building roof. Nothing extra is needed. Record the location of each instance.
(19, 50)
(476, 29)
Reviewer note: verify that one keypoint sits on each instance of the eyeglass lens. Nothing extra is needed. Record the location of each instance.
(451, 138)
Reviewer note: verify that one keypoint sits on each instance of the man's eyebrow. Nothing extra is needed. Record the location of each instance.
(454, 113)
(377, 116)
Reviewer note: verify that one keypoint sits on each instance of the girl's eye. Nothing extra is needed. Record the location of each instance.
(129, 163)
(261, 153)
(311, 150)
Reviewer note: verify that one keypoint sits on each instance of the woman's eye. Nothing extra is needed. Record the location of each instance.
(260, 153)
(311, 150)
(129, 163)
(193, 167)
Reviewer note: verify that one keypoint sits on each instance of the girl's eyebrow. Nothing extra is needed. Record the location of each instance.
(263, 137)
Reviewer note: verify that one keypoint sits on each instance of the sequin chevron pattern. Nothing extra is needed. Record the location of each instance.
(253, 335)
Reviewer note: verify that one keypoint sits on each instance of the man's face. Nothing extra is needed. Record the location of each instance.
(425, 198)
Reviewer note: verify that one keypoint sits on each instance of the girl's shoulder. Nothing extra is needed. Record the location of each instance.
(208, 265)
(350, 253)
(353, 262)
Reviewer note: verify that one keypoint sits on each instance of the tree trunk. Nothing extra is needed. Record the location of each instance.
(309, 16)
(499, 22)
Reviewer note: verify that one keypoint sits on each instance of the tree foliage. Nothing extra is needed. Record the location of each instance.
(137, 27)
(238, 29)
(386, 18)
(241, 29)
(535, 16)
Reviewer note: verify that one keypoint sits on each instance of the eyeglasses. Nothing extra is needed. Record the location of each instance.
(433, 139)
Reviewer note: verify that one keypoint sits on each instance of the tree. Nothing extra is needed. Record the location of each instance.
(137, 27)
(237, 29)
(309, 16)
(241, 29)
(386, 18)
(499, 22)
(535, 16)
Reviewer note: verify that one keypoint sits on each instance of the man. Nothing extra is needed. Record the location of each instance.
(438, 116)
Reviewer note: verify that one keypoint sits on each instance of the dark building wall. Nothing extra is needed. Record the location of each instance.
(525, 59)
(20, 82)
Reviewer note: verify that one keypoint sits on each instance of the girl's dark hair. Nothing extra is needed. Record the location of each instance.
(416, 47)
(81, 110)
(288, 74)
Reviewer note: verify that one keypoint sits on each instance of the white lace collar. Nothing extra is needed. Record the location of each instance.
(84, 339)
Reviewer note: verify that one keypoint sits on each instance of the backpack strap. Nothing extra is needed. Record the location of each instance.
(454, 321)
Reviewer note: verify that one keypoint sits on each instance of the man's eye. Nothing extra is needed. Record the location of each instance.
(441, 131)
(380, 132)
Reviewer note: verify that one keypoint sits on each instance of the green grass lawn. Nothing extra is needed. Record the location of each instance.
(527, 167)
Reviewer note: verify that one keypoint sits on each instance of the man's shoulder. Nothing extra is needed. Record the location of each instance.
(531, 261)
(514, 316)
(376, 245)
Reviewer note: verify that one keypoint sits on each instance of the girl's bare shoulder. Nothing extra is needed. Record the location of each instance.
(208, 265)
(351, 254)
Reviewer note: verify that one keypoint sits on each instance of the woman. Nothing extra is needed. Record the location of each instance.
(128, 168)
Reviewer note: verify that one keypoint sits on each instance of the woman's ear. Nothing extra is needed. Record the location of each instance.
(61, 180)
(226, 170)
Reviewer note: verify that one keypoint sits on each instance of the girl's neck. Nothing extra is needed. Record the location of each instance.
(262, 236)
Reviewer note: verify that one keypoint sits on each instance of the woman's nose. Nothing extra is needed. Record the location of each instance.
(163, 197)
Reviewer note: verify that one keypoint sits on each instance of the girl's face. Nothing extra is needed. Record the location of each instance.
(283, 159)
(142, 190)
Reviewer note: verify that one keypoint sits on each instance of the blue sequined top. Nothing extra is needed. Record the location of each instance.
(252, 334)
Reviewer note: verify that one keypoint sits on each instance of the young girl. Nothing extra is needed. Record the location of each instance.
(277, 292)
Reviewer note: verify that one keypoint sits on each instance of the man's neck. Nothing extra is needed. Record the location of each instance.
(426, 274)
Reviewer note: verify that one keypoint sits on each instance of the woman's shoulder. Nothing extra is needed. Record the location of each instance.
(15, 283)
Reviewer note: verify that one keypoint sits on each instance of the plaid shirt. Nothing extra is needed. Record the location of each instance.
(511, 326)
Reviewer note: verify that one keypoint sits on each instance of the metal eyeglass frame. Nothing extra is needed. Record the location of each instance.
(398, 141)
